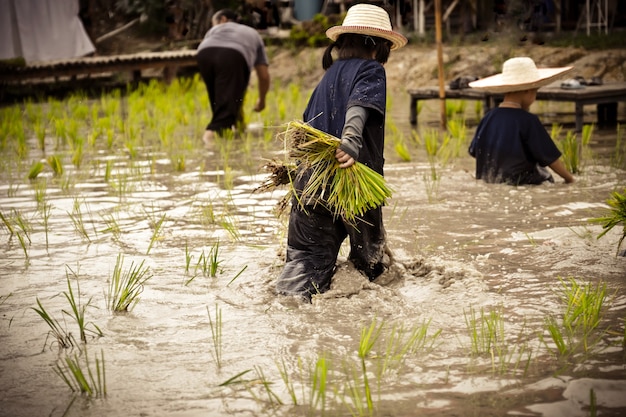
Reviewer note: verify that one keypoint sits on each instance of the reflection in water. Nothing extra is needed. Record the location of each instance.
(461, 248)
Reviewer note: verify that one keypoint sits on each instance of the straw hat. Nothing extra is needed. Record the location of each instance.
(519, 74)
(367, 19)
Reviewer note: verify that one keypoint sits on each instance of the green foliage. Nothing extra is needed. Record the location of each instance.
(126, 286)
(615, 216)
(77, 372)
(312, 33)
(570, 148)
(578, 329)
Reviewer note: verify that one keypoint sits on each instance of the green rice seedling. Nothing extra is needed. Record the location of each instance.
(578, 328)
(22, 224)
(431, 143)
(478, 109)
(77, 146)
(284, 375)
(111, 220)
(319, 383)
(458, 137)
(108, 170)
(488, 338)
(402, 150)
(237, 275)
(352, 390)
(23, 244)
(237, 379)
(156, 232)
(348, 192)
(485, 332)
(615, 215)
(531, 239)
(558, 336)
(208, 264)
(60, 131)
(46, 209)
(125, 287)
(369, 336)
(228, 223)
(7, 224)
(454, 107)
(77, 219)
(585, 305)
(19, 227)
(593, 411)
(55, 164)
(432, 180)
(555, 132)
(215, 323)
(214, 261)
(40, 188)
(261, 380)
(59, 332)
(77, 311)
(40, 133)
(571, 152)
(188, 257)
(20, 141)
(79, 375)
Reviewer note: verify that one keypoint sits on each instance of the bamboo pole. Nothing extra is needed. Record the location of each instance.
(442, 87)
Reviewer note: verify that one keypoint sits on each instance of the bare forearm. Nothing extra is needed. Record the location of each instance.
(559, 167)
(264, 83)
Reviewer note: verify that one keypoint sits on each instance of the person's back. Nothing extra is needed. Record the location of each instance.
(511, 146)
(226, 56)
(241, 38)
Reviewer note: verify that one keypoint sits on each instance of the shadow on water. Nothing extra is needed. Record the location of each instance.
(458, 323)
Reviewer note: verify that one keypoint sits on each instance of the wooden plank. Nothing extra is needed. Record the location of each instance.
(597, 94)
(97, 65)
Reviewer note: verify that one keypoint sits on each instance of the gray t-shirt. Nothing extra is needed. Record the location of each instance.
(239, 37)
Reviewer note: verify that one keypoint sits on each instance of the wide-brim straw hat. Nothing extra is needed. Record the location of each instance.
(519, 74)
(367, 19)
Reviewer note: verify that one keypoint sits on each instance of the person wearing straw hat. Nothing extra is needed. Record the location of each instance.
(349, 103)
(511, 145)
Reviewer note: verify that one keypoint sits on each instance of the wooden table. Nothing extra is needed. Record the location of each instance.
(607, 94)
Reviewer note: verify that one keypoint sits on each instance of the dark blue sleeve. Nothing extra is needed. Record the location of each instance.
(370, 87)
(539, 143)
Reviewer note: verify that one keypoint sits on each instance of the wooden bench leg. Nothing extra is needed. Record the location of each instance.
(607, 114)
(579, 117)
(413, 111)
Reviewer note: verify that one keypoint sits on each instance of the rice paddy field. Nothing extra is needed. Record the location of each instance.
(138, 266)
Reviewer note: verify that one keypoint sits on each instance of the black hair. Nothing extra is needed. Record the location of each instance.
(231, 15)
(352, 45)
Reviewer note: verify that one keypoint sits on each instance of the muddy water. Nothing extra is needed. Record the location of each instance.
(461, 247)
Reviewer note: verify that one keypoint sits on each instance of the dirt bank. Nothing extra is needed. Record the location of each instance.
(416, 66)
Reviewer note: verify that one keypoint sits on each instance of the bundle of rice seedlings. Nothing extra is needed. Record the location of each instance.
(347, 192)
(280, 174)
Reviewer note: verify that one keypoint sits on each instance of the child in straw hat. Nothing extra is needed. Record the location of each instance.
(349, 103)
(511, 145)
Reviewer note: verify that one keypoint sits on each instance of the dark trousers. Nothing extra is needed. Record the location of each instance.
(313, 243)
(226, 76)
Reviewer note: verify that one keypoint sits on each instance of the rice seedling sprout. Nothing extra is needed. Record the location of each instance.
(215, 324)
(126, 286)
(78, 309)
(615, 216)
(79, 375)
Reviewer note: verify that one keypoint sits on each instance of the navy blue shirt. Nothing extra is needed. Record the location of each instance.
(512, 146)
(352, 82)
